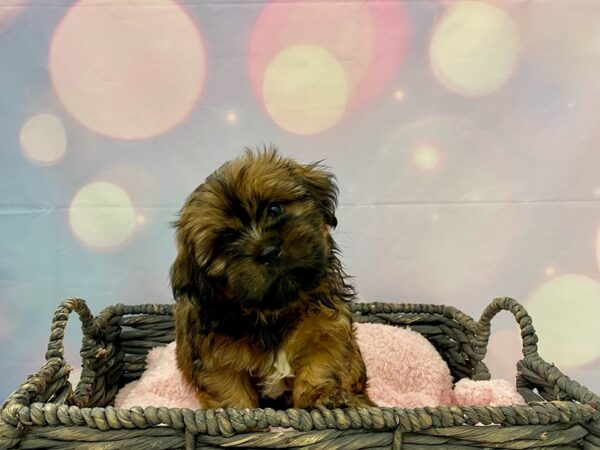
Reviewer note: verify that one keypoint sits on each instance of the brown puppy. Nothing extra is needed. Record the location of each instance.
(261, 308)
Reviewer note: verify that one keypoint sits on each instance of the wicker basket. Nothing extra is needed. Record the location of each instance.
(45, 412)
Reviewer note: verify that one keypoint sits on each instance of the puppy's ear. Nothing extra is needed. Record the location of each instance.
(182, 273)
(321, 186)
(186, 278)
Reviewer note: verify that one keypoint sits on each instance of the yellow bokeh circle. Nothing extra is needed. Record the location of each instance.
(102, 216)
(474, 48)
(426, 157)
(43, 139)
(565, 312)
(305, 89)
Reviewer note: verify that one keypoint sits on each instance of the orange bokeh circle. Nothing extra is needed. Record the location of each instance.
(129, 70)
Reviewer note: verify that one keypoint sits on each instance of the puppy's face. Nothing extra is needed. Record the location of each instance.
(256, 232)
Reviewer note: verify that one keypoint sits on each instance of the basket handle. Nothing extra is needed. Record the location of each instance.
(59, 322)
(528, 334)
(11, 428)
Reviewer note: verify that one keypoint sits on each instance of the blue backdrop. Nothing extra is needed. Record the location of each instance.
(464, 136)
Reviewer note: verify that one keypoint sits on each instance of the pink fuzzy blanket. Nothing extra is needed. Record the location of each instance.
(404, 370)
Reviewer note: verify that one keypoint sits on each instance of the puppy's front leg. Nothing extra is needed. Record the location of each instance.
(225, 388)
(328, 368)
(316, 385)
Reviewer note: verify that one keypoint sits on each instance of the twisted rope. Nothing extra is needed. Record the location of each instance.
(528, 334)
(228, 422)
(59, 322)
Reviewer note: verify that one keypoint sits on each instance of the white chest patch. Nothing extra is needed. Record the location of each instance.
(274, 384)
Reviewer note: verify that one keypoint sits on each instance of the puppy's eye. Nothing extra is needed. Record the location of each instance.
(274, 209)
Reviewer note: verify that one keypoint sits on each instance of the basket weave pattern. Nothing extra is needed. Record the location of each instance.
(46, 412)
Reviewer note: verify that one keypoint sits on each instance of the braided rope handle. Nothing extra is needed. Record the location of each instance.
(59, 322)
(90, 327)
(528, 334)
(11, 429)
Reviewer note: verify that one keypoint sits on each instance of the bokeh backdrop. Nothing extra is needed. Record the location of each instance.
(465, 137)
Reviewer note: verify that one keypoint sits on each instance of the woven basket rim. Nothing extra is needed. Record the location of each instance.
(20, 411)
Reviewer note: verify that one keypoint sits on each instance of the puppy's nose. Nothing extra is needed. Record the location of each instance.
(270, 255)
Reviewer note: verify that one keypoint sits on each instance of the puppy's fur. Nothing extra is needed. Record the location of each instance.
(261, 309)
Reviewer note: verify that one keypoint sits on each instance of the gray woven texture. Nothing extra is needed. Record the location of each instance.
(46, 412)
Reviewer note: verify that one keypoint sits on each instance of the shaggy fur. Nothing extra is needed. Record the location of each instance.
(261, 316)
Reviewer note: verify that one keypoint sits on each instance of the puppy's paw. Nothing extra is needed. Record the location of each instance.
(329, 397)
(341, 398)
(333, 398)
(360, 401)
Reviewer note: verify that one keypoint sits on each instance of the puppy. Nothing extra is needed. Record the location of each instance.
(261, 309)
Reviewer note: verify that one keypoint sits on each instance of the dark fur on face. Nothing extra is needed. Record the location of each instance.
(261, 295)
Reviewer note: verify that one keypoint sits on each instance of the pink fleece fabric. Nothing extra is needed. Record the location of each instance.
(403, 368)
(404, 371)
(486, 393)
